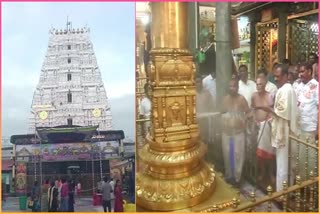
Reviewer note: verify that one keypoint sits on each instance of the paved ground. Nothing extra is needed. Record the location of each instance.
(84, 204)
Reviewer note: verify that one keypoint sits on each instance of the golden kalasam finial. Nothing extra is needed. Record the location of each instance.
(269, 190)
(311, 193)
(297, 208)
(176, 176)
(253, 199)
(285, 197)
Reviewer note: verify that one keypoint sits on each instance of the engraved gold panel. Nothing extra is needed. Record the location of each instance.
(174, 194)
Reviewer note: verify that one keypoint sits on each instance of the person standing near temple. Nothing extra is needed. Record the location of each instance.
(118, 205)
(106, 190)
(64, 196)
(209, 84)
(35, 196)
(313, 60)
(308, 103)
(204, 105)
(44, 196)
(235, 110)
(112, 197)
(246, 87)
(270, 87)
(284, 122)
(78, 192)
(58, 186)
(71, 201)
(293, 74)
(265, 151)
(53, 198)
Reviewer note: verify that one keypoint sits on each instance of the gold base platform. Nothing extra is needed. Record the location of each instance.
(222, 198)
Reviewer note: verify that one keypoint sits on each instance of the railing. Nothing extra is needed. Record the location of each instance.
(250, 206)
(302, 182)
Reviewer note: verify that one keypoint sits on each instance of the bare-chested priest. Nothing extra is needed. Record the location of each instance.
(235, 110)
(265, 151)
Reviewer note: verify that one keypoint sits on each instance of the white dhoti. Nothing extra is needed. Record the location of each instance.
(285, 121)
(265, 149)
(233, 148)
(282, 166)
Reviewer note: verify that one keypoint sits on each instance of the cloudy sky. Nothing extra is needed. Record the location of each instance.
(25, 34)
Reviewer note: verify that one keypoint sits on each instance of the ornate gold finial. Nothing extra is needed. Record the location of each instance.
(297, 208)
(253, 199)
(297, 159)
(234, 202)
(306, 163)
(311, 200)
(298, 179)
(311, 175)
(269, 190)
(285, 185)
(214, 208)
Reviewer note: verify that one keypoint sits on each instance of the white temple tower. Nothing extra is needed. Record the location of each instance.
(70, 90)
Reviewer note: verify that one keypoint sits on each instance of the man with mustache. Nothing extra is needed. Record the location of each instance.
(284, 121)
(235, 108)
(265, 151)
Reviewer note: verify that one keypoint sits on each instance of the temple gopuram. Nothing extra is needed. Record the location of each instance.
(70, 131)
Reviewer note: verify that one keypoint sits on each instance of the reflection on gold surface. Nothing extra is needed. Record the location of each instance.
(175, 176)
(223, 199)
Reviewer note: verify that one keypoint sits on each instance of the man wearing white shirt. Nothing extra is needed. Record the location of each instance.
(284, 121)
(246, 87)
(112, 196)
(209, 84)
(307, 96)
(297, 81)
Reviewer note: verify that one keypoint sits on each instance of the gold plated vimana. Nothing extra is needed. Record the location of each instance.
(176, 176)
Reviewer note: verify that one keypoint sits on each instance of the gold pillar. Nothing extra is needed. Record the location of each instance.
(177, 176)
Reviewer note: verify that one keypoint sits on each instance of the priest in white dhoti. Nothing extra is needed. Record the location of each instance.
(235, 109)
(284, 122)
(265, 152)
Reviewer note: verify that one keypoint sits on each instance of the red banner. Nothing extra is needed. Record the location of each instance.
(21, 177)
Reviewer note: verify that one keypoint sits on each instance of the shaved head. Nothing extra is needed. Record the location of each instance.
(261, 84)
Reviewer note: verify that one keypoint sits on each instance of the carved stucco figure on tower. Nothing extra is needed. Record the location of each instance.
(70, 89)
